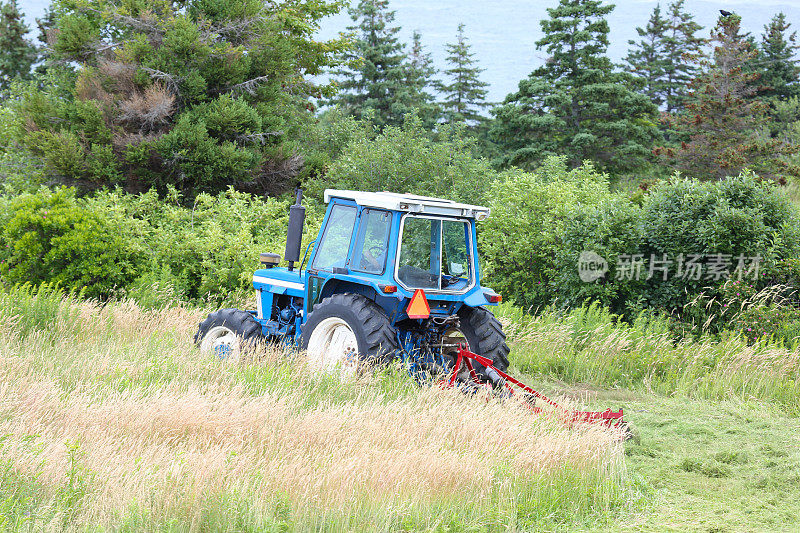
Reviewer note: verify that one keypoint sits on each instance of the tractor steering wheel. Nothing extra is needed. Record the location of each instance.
(372, 256)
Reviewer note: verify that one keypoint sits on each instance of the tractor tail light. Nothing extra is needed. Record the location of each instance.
(388, 289)
(493, 298)
(418, 306)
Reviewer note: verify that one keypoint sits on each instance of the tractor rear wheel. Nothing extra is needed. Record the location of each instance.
(347, 331)
(225, 333)
(484, 336)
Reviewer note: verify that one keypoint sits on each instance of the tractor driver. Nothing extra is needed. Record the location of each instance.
(372, 259)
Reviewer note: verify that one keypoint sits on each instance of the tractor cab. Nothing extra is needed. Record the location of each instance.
(395, 244)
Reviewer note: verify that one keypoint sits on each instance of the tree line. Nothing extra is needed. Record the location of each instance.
(221, 93)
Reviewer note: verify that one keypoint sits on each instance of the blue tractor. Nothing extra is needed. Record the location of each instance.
(389, 276)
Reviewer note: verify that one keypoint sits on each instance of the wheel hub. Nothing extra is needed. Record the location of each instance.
(221, 342)
(333, 345)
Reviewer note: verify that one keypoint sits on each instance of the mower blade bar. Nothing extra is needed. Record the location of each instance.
(608, 417)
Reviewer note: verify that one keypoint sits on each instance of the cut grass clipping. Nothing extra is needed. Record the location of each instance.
(109, 417)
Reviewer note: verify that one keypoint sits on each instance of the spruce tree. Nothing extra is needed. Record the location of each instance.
(780, 73)
(419, 81)
(681, 47)
(576, 104)
(373, 83)
(197, 95)
(662, 57)
(647, 60)
(465, 96)
(724, 128)
(17, 54)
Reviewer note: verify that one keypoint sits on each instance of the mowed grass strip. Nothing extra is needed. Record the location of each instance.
(110, 418)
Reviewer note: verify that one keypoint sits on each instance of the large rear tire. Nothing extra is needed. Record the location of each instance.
(225, 333)
(348, 332)
(484, 335)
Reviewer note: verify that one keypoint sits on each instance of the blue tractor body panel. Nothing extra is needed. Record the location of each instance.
(286, 297)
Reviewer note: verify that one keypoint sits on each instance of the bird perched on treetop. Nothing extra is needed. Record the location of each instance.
(725, 13)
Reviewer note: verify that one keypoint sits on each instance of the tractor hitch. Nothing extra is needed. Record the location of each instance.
(510, 386)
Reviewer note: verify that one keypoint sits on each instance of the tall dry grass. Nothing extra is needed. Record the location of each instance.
(110, 418)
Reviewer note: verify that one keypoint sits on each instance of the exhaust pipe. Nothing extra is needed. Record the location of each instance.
(294, 234)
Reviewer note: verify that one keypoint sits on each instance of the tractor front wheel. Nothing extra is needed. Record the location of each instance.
(225, 332)
(347, 331)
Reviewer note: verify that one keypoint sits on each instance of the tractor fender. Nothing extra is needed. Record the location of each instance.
(476, 298)
(332, 286)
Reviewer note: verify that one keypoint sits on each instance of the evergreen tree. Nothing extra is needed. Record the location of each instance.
(662, 57)
(199, 95)
(373, 81)
(725, 128)
(17, 54)
(419, 80)
(465, 96)
(681, 47)
(576, 104)
(780, 73)
(647, 58)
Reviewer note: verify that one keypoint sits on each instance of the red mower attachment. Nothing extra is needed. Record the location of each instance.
(512, 387)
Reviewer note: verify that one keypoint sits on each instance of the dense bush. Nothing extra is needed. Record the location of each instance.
(542, 223)
(53, 237)
(115, 243)
(774, 322)
(610, 228)
(410, 159)
(737, 216)
(521, 239)
(207, 251)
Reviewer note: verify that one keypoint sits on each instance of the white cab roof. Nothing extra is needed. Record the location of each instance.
(410, 202)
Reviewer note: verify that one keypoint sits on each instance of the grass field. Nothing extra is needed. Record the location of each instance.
(110, 419)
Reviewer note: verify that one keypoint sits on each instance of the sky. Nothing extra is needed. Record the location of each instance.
(503, 33)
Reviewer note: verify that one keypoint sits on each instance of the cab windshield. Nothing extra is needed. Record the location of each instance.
(435, 254)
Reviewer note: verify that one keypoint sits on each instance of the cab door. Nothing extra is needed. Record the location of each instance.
(332, 251)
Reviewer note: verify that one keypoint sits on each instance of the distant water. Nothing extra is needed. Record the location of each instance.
(503, 32)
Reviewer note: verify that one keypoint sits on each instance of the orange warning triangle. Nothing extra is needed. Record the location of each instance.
(418, 306)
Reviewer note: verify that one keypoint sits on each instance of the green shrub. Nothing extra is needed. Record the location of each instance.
(52, 237)
(609, 229)
(208, 251)
(525, 232)
(408, 159)
(729, 222)
(771, 322)
(736, 216)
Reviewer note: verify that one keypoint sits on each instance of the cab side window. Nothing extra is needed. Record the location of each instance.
(335, 242)
(373, 241)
